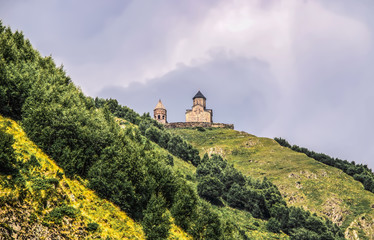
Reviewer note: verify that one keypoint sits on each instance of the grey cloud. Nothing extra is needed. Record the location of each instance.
(326, 106)
(239, 90)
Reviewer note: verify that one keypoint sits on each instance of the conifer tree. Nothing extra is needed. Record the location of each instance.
(7, 156)
(156, 221)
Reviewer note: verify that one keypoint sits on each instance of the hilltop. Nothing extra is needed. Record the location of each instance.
(302, 181)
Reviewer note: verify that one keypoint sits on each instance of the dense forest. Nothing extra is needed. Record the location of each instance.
(359, 172)
(80, 133)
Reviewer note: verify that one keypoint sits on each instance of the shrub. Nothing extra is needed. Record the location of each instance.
(92, 227)
(58, 213)
(210, 188)
(273, 225)
(170, 160)
(7, 155)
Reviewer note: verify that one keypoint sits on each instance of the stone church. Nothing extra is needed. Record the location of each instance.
(197, 116)
(160, 113)
(199, 113)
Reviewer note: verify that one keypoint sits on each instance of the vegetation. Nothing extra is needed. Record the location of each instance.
(302, 181)
(119, 164)
(42, 202)
(7, 156)
(156, 222)
(217, 179)
(359, 172)
(58, 213)
(153, 130)
(124, 165)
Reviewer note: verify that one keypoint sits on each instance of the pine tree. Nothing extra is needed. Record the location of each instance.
(156, 221)
(7, 156)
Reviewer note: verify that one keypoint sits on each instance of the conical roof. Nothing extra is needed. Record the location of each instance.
(160, 105)
(199, 95)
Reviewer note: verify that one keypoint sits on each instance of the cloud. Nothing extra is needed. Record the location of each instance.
(297, 69)
(237, 89)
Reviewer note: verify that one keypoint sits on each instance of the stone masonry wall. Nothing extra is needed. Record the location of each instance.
(198, 124)
(199, 114)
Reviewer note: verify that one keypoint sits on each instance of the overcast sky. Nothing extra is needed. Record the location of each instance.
(301, 70)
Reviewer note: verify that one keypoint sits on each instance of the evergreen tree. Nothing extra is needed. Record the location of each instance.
(273, 225)
(156, 221)
(210, 188)
(7, 156)
(184, 207)
(207, 224)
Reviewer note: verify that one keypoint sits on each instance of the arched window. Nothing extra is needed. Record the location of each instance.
(158, 117)
(163, 117)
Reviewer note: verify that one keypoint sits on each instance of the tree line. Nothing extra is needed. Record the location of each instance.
(359, 172)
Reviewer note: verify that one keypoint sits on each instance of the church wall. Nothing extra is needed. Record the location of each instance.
(160, 115)
(199, 101)
(198, 124)
(198, 114)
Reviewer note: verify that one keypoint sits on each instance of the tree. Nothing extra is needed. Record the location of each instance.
(210, 188)
(236, 197)
(170, 160)
(281, 213)
(205, 158)
(273, 225)
(207, 224)
(184, 207)
(304, 234)
(7, 156)
(153, 134)
(156, 221)
(231, 176)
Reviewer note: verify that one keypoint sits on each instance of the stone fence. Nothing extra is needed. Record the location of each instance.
(198, 124)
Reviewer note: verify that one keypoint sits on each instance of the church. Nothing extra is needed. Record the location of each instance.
(160, 113)
(199, 113)
(197, 116)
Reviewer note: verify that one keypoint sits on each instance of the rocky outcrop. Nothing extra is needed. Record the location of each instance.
(363, 225)
(19, 221)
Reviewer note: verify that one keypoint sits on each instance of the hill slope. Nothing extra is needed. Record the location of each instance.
(246, 226)
(29, 200)
(303, 181)
(84, 140)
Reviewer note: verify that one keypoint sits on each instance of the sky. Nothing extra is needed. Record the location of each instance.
(297, 69)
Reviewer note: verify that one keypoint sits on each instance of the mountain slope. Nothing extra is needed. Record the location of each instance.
(27, 201)
(303, 181)
(252, 228)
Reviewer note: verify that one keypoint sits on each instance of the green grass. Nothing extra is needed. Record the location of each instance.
(253, 227)
(303, 181)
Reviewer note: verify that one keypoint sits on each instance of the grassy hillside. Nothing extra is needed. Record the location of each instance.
(29, 202)
(303, 181)
(252, 228)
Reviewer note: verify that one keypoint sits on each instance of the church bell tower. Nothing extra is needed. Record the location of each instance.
(160, 113)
